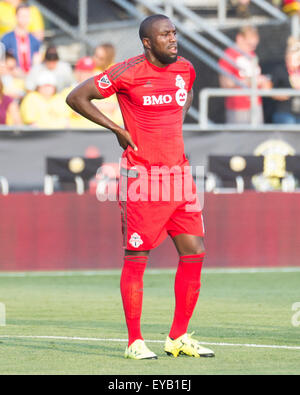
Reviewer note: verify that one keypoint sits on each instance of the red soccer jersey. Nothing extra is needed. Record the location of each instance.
(245, 71)
(151, 99)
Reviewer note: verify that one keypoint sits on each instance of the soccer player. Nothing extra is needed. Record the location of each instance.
(155, 92)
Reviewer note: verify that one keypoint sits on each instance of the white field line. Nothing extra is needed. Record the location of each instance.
(93, 339)
(149, 271)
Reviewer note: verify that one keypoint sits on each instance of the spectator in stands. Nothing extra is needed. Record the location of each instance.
(104, 57)
(9, 109)
(12, 77)
(44, 108)
(84, 69)
(61, 70)
(277, 3)
(287, 75)
(22, 44)
(8, 18)
(238, 108)
(241, 8)
(291, 7)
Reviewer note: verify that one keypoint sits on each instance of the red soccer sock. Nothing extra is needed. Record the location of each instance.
(132, 294)
(187, 289)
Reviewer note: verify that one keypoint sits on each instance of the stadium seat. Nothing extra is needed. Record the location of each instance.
(68, 174)
(232, 173)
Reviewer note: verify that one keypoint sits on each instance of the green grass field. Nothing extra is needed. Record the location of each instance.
(234, 308)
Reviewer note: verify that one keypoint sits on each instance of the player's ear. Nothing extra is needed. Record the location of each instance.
(147, 43)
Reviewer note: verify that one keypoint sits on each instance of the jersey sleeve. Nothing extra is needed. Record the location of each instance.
(110, 81)
(192, 77)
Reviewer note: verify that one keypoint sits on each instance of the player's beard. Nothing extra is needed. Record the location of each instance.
(164, 58)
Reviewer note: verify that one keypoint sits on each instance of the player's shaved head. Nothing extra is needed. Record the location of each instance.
(146, 26)
(158, 35)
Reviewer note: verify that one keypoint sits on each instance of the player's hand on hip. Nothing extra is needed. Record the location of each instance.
(125, 139)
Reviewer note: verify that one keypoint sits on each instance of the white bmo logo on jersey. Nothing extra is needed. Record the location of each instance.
(135, 240)
(154, 100)
(104, 82)
(181, 94)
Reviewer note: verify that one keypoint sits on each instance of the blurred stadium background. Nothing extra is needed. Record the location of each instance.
(51, 218)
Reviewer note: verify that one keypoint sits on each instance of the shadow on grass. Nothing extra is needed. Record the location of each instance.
(70, 324)
(77, 348)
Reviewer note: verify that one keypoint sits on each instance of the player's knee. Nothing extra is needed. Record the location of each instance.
(190, 245)
(199, 251)
(136, 253)
(193, 251)
(199, 248)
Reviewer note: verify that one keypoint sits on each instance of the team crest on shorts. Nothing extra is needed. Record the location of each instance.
(135, 240)
(104, 82)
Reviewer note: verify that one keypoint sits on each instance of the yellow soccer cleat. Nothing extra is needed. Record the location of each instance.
(187, 346)
(139, 350)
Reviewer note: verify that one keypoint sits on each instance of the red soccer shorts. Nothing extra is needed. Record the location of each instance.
(155, 206)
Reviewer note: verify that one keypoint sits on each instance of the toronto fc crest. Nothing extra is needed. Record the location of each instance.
(181, 94)
(135, 240)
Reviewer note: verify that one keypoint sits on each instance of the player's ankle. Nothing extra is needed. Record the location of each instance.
(131, 341)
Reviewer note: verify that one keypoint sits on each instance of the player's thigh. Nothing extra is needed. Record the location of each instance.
(186, 227)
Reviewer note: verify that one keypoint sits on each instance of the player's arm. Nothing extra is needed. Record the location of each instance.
(188, 103)
(80, 100)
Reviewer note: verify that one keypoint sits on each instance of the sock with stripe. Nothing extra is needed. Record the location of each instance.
(187, 289)
(131, 285)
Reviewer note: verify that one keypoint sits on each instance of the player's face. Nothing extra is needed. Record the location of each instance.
(164, 41)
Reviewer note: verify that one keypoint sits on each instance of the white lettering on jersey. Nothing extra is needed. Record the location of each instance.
(154, 100)
(167, 99)
(157, 100)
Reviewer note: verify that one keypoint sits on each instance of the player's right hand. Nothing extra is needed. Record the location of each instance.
(124, 139)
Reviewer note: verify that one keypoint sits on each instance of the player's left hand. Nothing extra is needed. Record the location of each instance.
(124, 139)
